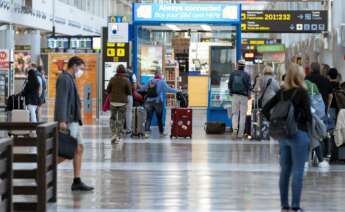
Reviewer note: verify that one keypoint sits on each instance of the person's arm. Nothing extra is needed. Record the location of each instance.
(128, 88)
(266, 110)
(144, 88)
(230, 83)
(306, 105)
(167, 88)
(62, 85)
(109, 87)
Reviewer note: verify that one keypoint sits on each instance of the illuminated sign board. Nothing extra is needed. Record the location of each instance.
(186, 12)
(251, 43)
(283, 21)
(114, 54)
(271, 48)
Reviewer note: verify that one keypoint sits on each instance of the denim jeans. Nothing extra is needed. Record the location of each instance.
(151, 108)
(293, 154)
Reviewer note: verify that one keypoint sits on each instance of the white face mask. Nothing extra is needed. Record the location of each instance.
(78, 73)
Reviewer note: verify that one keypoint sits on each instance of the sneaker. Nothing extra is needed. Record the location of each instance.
(323, 164)
(163, 135)
(306, 165)
(115, 139)
(146, 135)
(81, 187)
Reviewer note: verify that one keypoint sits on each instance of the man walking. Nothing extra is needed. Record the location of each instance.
(239, 87)
(68, 113)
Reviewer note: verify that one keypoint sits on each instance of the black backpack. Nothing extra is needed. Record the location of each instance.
(152, 89)
(238, 83)
(283, 123)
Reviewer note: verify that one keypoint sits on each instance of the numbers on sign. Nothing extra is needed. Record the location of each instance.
(277, 17)
(121, 52)
(111, 53)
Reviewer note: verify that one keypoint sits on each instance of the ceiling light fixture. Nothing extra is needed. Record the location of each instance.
(173, 27)
(206, 27)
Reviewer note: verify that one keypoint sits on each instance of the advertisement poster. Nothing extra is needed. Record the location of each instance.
(23, 60)
(4, 59)
(151, 59)
(58, 60)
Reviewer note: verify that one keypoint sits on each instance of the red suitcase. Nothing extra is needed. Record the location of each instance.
(181, 122)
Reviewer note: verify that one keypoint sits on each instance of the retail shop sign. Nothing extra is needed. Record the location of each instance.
(283, 21)
(186, 13)
(4, 59)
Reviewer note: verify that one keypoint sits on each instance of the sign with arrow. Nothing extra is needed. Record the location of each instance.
(284, 21)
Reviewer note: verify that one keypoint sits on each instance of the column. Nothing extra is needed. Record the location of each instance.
(35, 45)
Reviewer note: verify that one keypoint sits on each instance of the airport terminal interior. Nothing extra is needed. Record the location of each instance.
(172, 105)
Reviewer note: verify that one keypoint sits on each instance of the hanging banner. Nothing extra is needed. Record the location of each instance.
(187, 12)
(4, 59)
(283, 21)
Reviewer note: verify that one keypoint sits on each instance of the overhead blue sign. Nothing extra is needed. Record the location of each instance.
(187, 13)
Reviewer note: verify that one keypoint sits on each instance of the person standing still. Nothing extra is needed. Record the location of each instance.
(68, 113)
(239, 87)
(156, 89)
(31, 94)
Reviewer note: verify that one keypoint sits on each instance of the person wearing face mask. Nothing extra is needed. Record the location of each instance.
(68, 113)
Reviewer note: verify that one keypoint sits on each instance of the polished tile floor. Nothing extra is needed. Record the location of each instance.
(208, 173)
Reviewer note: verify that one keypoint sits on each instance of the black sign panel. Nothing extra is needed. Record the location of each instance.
(282, 21)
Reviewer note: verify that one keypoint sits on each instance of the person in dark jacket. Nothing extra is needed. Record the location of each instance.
(321, 82)
(119, 88)
(239, 87)
(293, 151)
(31, 94)
(68, 113)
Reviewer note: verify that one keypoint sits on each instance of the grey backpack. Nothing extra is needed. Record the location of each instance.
(282, 121)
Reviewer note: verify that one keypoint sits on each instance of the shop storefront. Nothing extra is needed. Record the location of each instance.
(198, 58)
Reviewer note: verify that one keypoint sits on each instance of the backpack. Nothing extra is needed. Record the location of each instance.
(282, 121)
(238, 84)
(152, 89)
(339, 96)
(316, 101)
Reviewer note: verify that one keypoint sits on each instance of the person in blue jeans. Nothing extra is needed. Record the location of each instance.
(294, 150)
(155, 89)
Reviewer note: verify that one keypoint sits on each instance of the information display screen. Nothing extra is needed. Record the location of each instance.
(58, 42)
(281, 21)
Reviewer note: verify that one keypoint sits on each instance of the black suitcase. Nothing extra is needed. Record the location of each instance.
(15, 102)
(215, 127)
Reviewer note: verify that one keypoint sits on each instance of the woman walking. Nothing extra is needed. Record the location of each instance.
(119, 89)
(31, 94)
(293, 150)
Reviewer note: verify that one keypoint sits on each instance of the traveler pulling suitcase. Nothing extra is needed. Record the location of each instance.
(181, 123)
(138, 122)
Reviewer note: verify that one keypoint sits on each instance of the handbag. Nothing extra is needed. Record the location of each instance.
(263, 94)
(106, 105)
(67, 144)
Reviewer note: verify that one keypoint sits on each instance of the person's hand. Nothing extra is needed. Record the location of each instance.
(249, 97)
(63, 125)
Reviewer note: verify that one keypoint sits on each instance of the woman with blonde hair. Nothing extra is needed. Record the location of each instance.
(293, 150)
(268, 86)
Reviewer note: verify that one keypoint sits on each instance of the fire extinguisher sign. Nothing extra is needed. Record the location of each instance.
(4, 59)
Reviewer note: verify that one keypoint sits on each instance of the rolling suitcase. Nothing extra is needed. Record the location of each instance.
(138, 122)
(181, 123)
(18, 113)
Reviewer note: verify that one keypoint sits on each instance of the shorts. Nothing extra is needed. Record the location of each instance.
(74, 128)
